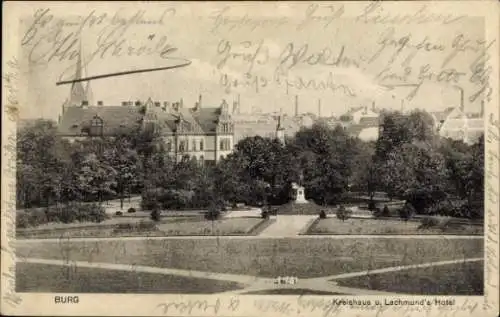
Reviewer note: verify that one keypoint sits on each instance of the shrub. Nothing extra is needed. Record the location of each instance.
(119, 213)
(22, 220)
(131, 210)
(429, 222)
(53, 214)
(371, 205)
(385, 211)
(264, 214)
(64, 213)
(143, 226)
(169, 199)
(322, 214)
(343, 213)
(90, 213)
(156, 214)
(407, 212)
(212, 214)
(377, 212)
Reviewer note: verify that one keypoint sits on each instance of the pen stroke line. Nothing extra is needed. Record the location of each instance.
(144, 70)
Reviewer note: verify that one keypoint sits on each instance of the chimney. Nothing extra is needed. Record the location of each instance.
(224, 107)
(319, 108)
(296, 105)
(181, 104)
(239, 104)
(199, 101)
(137, 103)
(481, 111)
(99, 103)
(373, 106)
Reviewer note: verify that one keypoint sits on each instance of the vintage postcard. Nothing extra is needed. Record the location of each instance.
(250, 158)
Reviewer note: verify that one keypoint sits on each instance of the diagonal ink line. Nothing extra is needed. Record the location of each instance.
(143, 70)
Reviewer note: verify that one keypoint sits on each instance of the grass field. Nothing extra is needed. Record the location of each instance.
(59, 279)
(171, 226)
(218, 227)
(457, 279)
(303, 257)
(332, 225)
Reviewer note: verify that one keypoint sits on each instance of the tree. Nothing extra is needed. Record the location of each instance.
(365, 176)
(124, 161)
(325, 158)
(96, 178)
(41, 158)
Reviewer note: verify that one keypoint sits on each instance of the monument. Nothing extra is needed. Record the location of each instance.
(299, 192)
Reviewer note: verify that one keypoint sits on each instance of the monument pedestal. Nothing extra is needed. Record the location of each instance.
(300, 197)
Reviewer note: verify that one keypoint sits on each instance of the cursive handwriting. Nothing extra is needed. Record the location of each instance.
(313, 16)
(292, 56)
(56, 40)
(190, 307)
(323, 84)
(375, 13)
(10, 83)
(224, 20)
(246, 51)
(480, 74)
(9, 221)
(388, 41)
(248, 80)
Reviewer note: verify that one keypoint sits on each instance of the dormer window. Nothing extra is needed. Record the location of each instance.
(96, 126)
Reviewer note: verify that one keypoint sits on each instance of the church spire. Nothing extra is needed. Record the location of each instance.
(78, 93)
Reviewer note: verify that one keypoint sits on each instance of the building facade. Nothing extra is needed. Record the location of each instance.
(204, 134)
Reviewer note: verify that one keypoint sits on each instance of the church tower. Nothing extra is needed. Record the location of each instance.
(79, 96)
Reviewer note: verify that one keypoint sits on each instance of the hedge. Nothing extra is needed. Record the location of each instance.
(57, 214)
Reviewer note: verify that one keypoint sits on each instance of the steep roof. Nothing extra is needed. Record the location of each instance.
(442, 115)
(116, 119)
(207, 118)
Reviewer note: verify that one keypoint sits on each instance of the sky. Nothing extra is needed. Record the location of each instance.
(265, 53)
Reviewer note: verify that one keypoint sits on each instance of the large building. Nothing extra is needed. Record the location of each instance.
(456, 124)
(362, 122)
(201, 133)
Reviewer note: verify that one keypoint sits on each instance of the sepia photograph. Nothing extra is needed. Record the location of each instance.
(250, 159)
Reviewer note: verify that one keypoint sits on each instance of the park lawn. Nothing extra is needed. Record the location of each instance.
(358, 226)
(452, 279)
(229, 226)
(300, 257)
(63, 279)
(90, 229)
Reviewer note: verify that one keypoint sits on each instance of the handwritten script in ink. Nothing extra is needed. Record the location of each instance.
(50, 39)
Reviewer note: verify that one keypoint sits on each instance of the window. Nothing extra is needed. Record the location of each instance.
(182, 146)
(96, 126)
(169, 145)
(201, 145)
(225, 144)
(194, 145)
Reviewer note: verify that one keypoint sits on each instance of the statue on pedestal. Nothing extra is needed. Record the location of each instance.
(299, 191)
